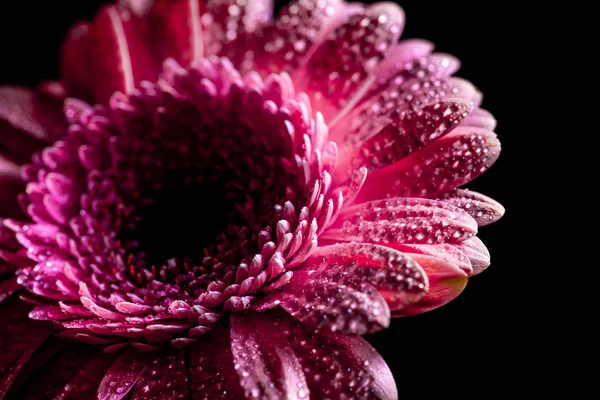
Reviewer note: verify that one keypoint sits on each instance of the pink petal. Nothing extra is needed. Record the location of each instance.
(339, 366)
(122, 375)
(182, 30)
(228, 27)
(484, 209)
(397, 277)
(481, 118)
(31, 113)
(478, 254)
(446, 282)
(285, 43)
(401, 87)
(444, 251)
(165, 378)
(407, 132)
(212, 374)
(346, 59)
(403, 220)
(445, 164)
(265, 362)
(323, 302)
(121, 58)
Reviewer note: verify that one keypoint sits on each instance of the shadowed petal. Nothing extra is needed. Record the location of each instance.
(265, 362)
(8, 287)
(446, 282)
(443, 165)
(20, 338)
(165, 378)
(76, 59)
(31, 113)
(339, 366)
(211, 368)
(122, 375)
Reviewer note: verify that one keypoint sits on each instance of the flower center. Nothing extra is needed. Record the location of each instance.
(185, 200)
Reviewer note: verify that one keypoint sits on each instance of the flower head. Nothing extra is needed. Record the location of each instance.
(248, 197)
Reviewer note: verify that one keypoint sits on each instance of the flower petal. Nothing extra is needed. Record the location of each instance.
(338, 366)
(402, 87)
(20, 338)
(121, 55)
(165, 378)
(481, 118)
(478, 254)
(8, 287)
(323, 302)
(484, 209)
(445, 164)
(55, 376)
(445, 251)
(31, 113)
(76, 60)
(265, 362)
(122, 375)
(211, 368)
(403, 220)
(397, 277)
(405, 133)
(228, 25)
(446, 282)
(299, 26)
(181, 30)
(344, 62)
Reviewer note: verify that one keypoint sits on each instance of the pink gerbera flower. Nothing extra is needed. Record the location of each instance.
(248, 197)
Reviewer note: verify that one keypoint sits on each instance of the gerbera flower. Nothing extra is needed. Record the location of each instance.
(247, 199)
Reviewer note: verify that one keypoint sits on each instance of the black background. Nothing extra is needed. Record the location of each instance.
(474, 345)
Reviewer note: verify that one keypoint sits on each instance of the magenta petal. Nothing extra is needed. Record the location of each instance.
(165, 378)
(265, 361)
(347, 58)
(407, 132)
(443, 165)
(445, 251)
(182, 30)
(122, 375)
(285, 44)
(478, 254)
(340, 366)
(212, 374)
(403, 220)
(121, 57)
(397, 276)
(484, 209)
(332, 303)
(446, 282)
(31, 113)
(227, 33)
